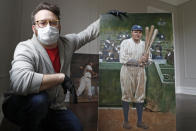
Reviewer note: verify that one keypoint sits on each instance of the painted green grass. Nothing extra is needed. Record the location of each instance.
(110, 92)
(163, 95)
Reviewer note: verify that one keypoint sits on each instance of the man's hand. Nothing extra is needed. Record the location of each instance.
(68, 85)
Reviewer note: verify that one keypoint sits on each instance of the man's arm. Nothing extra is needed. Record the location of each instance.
(23, 76)
(51, 80)
(87, 35)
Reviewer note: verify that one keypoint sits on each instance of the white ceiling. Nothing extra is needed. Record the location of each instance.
(174, 2)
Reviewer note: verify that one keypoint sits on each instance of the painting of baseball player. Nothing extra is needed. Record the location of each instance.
(134, 56)
(85, 81)
(137, 91)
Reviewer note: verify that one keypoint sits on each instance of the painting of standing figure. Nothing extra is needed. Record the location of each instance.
(136, 70)
(84, 72)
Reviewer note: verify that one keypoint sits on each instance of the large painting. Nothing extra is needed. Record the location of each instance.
(158, 79)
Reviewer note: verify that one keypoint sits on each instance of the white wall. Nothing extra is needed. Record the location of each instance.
(9, 36)
(9, 32)
(187, 46)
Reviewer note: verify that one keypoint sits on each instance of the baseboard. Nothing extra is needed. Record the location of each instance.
(186, 90)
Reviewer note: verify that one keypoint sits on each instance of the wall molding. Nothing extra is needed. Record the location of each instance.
(186, 90)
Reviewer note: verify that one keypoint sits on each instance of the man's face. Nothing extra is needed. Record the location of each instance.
(136, 35)
(43, 15)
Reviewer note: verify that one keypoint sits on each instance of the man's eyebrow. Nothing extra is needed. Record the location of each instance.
(49, 19)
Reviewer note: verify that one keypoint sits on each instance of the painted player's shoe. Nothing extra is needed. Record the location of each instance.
(126, 125)
(142, 125)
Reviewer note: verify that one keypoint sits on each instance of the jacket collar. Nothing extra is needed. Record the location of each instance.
(61, 53)
(42, 52)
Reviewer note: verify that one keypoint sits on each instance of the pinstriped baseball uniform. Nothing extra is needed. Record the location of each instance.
(133, 79)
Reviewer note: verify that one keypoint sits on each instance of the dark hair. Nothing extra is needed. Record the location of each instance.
(45, 6)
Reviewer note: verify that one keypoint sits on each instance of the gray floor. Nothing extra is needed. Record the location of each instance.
(185, 114)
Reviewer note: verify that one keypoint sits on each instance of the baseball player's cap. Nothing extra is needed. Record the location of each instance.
(136, 27)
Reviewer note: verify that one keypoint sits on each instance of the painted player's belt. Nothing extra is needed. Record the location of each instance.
(88, 77)
(133, 65)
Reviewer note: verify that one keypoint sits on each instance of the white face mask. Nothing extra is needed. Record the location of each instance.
(48, 35)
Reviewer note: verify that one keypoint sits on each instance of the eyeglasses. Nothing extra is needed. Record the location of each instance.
(44, 23)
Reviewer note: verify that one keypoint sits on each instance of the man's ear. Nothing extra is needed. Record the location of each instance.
(33, 28)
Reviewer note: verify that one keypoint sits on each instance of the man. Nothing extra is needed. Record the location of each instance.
(132, 75)
(85, 81)
(35, 98)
